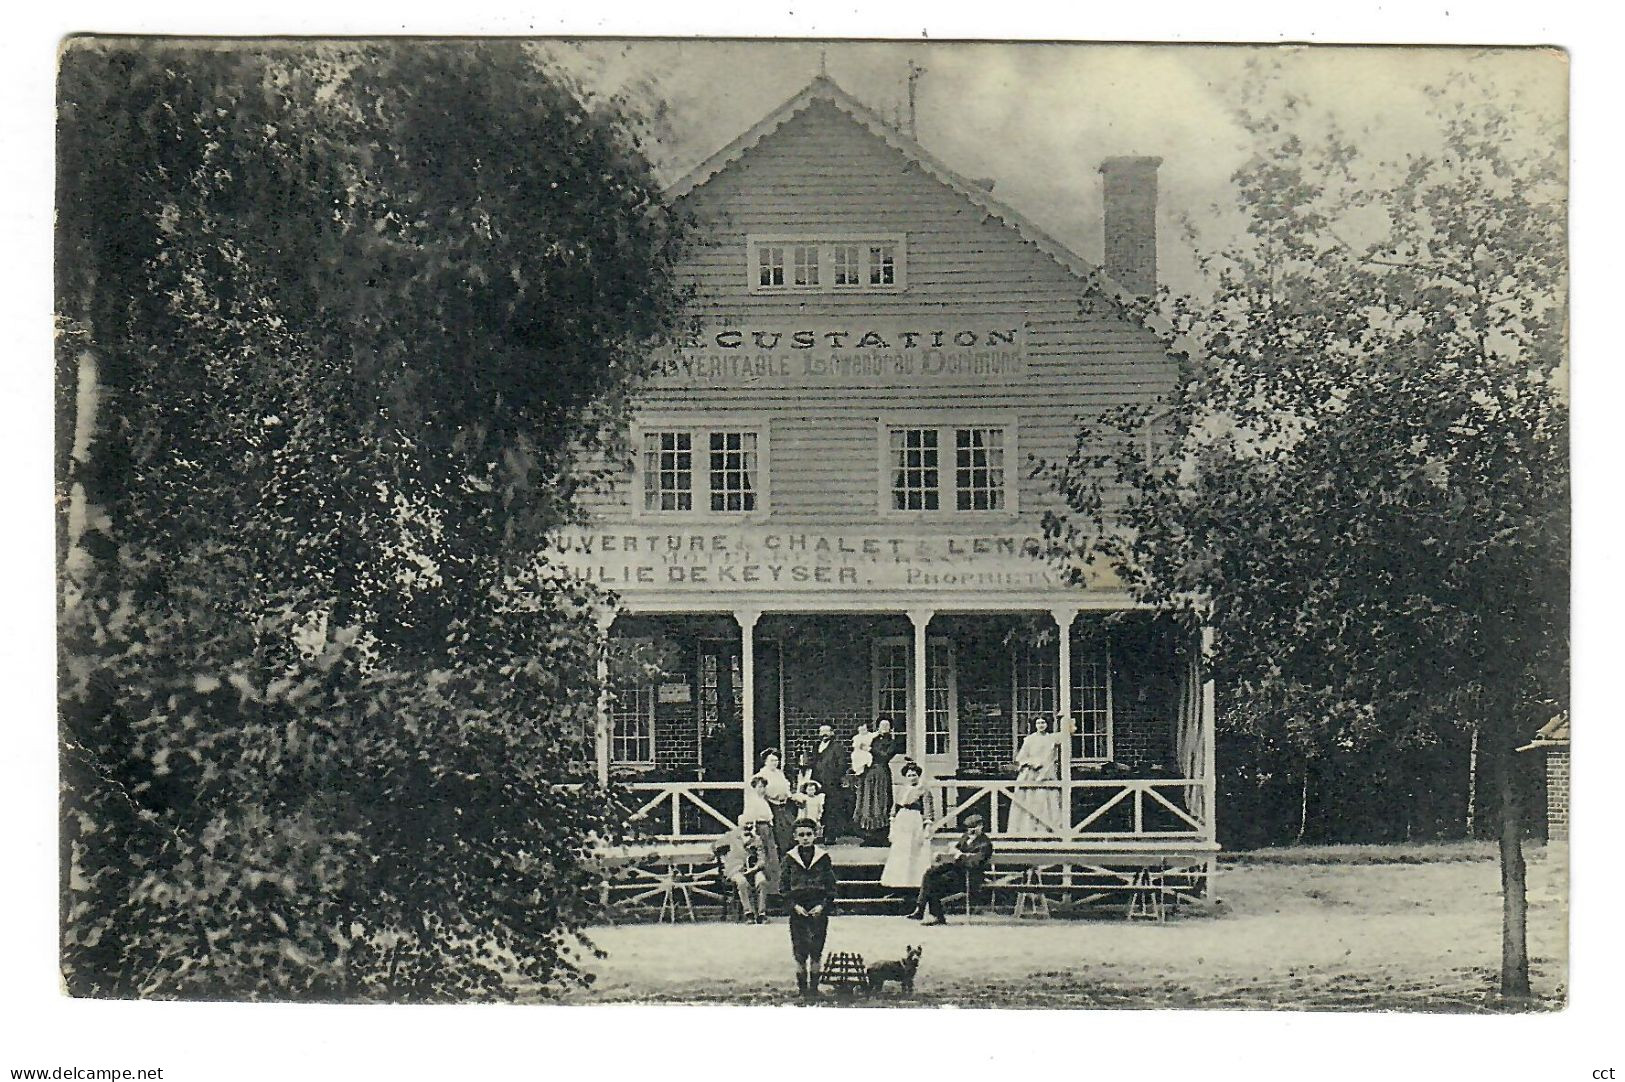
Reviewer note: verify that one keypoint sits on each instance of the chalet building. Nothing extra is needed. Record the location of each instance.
(832, 519)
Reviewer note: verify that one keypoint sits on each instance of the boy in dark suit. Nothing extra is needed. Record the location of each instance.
(808, 886)
(964, 863)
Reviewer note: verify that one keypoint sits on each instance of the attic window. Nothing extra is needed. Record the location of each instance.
(843, 263)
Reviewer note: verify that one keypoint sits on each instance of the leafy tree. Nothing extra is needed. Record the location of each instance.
(337, 323)
(1362, 486)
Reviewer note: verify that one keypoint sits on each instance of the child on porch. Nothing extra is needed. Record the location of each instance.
(810, 798)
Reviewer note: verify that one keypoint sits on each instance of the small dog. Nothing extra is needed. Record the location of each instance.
(902, 972)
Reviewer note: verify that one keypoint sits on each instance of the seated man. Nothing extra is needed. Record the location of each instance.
(740, 855)
(960, 866)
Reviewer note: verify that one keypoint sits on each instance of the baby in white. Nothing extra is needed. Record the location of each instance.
(862, 758)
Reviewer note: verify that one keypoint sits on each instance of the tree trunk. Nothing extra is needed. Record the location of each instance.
(1472, 784)
(83, 514)
(1514, 901)
(1303, 805)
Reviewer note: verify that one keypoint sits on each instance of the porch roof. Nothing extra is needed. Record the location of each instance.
(1554, 734)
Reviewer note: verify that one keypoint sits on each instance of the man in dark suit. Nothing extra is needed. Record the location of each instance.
(829, 771)
(808, 885)
(961, 866)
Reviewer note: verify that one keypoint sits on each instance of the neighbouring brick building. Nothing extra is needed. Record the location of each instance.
(1552, 741)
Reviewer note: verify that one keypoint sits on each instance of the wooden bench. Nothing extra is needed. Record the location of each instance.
(1149, 895)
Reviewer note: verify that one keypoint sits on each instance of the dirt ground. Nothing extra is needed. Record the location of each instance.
(1281, 935)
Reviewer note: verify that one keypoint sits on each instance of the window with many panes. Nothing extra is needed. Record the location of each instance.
(847, 261)
(916, 471)
(1033, 691)
(710, 692)
(1091, 708)
(770, 266)
(632, 723)
(894, 673)
(705, 470)
(893, 669)
(668, 471)
(939, 694)
(805, 257)
(979, 469)
(733, 469)
(820, 264)
(881, 265)
(921, 475)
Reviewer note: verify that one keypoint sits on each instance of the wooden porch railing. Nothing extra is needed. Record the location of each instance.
(674, 810)
(1125, 809)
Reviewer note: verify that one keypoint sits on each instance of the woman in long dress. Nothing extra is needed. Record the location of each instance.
(778, 799)
(911, 825)
(758, 820)
(1035, 810)
(873, 799)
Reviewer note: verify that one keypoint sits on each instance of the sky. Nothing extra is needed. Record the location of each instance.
(1040, 118)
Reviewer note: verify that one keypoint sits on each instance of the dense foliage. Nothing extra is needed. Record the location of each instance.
(336, 324)
(1363, 485)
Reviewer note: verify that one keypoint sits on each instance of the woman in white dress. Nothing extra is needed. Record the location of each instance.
(911, 825)
(1037, 811)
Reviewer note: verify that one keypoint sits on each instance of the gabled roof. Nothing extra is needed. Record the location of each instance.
(824, 89)
(1554, 734)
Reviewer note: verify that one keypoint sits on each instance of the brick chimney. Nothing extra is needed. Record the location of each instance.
(1130, 185)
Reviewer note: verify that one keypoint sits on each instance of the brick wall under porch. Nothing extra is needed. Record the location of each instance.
(828, 679)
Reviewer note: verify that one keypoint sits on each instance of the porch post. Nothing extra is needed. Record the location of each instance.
(1064, 615)
(605, 618)
(1210, 789)
(747, 693)
(916, 720)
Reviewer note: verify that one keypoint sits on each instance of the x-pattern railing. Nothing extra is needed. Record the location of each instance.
(1154, 808)
(667, 800)
(1048, 807)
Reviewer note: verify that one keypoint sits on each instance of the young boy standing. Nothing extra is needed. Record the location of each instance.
(809, 893)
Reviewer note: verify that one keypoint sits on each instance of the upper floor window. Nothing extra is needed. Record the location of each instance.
(733, 471)
(979, 469)
(948, 467)
(828, 263)
(707, 470)
(668, 471)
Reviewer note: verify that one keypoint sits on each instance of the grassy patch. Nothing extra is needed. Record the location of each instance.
(1398, 853)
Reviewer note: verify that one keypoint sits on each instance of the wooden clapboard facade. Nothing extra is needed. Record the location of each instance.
(832, 516)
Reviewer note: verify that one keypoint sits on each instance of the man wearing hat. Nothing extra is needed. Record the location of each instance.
(960, 866)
